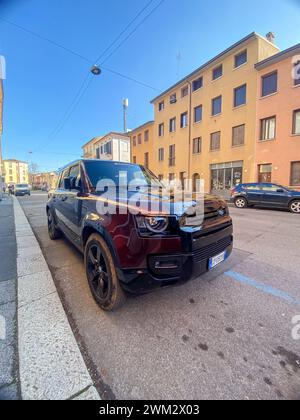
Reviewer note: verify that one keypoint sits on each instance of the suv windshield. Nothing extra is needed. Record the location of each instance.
(135, 174)
(22, 186)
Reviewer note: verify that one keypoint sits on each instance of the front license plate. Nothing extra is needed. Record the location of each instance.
(218, 259)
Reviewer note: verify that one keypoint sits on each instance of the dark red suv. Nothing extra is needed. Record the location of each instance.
(133, 236)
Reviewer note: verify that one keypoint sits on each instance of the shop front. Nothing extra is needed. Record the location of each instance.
(225, 176)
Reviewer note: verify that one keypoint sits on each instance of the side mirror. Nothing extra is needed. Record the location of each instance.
(280, 190)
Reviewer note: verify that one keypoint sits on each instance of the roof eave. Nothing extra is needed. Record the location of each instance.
(209, 63)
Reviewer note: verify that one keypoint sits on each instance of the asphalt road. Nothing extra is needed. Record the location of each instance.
(226, 335)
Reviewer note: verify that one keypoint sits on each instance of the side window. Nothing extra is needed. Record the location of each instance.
(75, 173)
(252, 187)
(58, 181)
(64, 174)
(270, 188)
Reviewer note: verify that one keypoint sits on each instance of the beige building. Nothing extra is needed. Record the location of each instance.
(112, 146)
(89, 149)
(142, 145)
(15, 172)
(205, 125)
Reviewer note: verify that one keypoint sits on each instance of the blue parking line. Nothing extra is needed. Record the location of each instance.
(263, 287)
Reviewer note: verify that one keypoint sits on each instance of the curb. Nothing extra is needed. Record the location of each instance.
(50, 362)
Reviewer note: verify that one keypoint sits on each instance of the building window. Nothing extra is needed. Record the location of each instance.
(172, 126)
(161, 155)
(297, 73)
(139, 139)
(197, 145)
(265, 173)
(172, 155)
(240, 95)
(161, 106)
(198, 114)
(217, 105)
(107, 148)
(197, 84)
(238, 135)
(296, 122)
(134, 141)
(240, 59)
(217, 72)
(98, 153)
(215, 141)
(268, 128)
(146, 160)
(269, 84)
(160, 177)
(171, 177)
(161, 130)
(146, 136)
(184, 91)
(173, 99)
(295, 173)
(184, 120)
(134, 159)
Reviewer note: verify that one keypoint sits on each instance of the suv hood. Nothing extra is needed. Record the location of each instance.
(155, 204)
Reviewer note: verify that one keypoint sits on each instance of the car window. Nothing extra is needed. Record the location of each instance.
(270, 187)
(75, 172)
(98, 171)
(64, 174)
(251, 187)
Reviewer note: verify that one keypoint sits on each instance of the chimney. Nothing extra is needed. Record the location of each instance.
(271, 37)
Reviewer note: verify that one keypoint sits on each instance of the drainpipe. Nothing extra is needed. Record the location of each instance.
(190, 130)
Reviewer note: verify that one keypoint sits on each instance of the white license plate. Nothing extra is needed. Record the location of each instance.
(218, 259)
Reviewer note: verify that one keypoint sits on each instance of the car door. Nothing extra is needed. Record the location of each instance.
(71, 203)
(274, 195)
(58, 200)
(254, 194)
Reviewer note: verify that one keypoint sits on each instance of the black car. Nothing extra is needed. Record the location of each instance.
(135, 244)
(266, 195)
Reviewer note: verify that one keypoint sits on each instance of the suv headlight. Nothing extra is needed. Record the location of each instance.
(154, 224)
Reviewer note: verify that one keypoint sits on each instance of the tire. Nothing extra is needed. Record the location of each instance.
(241, 203)
(101, 274)
(54, 232)
(295, 206)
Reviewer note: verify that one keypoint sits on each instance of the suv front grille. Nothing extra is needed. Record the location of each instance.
(212, 250)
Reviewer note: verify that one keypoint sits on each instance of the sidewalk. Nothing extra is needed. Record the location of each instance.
(9, 374)
(39, 356)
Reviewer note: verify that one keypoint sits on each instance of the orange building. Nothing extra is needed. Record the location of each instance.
(278, 119)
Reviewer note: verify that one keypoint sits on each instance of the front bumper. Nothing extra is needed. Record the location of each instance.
(21, 193)
(174, 269)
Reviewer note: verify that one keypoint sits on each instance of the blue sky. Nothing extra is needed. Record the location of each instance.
(42, 79)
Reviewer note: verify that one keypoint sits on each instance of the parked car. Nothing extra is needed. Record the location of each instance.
(22, 189)
(134, 252)
(266, 195)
